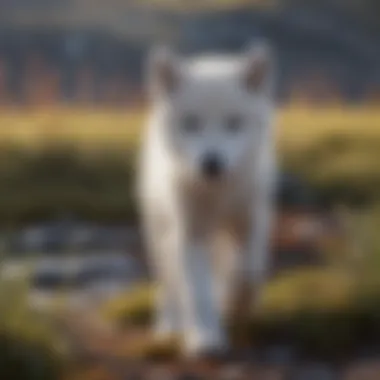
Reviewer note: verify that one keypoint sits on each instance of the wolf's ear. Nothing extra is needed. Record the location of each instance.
(163, 70)
(258, 67)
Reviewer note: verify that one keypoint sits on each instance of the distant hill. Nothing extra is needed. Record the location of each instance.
(317, 42)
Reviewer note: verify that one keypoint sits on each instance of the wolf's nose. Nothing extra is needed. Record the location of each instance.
(212, 166)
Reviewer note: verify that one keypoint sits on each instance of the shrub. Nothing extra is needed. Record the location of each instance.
(28, 345)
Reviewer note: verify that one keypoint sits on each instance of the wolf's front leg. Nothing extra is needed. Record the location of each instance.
(226, 260)
(260, 237)
(166, 321)
(259, 247)
(202, 328)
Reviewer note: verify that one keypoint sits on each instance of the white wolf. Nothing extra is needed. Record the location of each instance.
(207, 167)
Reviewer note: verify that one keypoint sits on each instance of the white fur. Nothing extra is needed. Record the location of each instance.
(183, 214)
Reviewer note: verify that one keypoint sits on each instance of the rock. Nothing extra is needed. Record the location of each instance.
(363, 370)
(189, 376)
(318, 371)
(162, 374)
(267, 374)
(134, 376)
(279, 355)
(233, 372)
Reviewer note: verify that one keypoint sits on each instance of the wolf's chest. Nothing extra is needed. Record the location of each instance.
(222, 208)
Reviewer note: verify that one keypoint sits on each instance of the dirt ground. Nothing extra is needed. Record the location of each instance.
(104, 354)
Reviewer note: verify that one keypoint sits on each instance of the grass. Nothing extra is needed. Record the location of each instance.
(344, 133)
(286, 295)
(298, 126)
(324, 311)
(332, 147)
(82, 161)
(29, 346)
(87, 129)
(328, 311)
(134, 307)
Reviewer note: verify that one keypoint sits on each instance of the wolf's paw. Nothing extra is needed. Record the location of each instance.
(205, 344)
(165, 331)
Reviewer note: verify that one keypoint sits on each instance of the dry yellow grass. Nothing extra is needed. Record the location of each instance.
(326, 144)
(81, 127)
(302, 126)
(297, 125)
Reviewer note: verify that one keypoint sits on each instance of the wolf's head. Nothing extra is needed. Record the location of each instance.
(213, 111)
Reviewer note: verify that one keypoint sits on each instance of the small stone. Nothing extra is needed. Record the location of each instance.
(280, 355)
(364, 370)
(161, 374)
(266, 374)
(133, 376)
(235, 372)
(315, 372)
(189, 376)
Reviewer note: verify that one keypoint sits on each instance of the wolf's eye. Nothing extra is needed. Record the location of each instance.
(234, 123)
(191, 123)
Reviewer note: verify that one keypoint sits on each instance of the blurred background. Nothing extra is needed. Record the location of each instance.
(75, 299)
